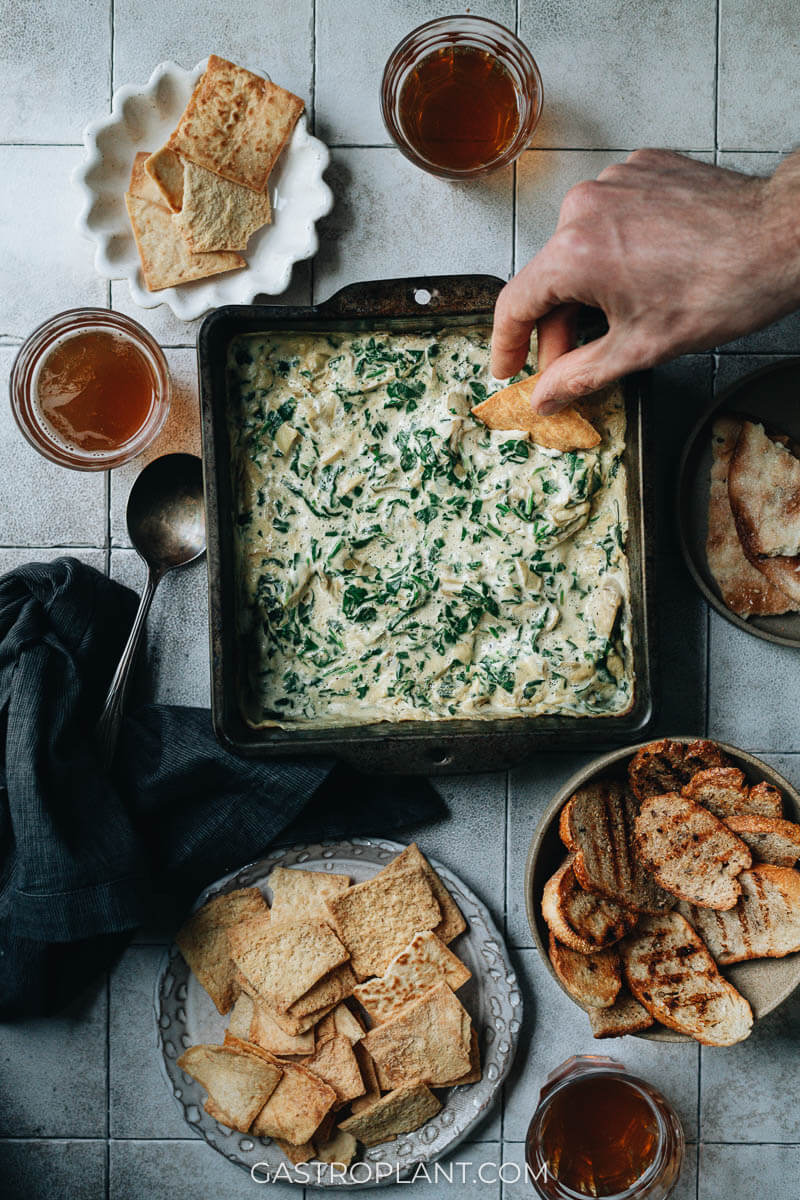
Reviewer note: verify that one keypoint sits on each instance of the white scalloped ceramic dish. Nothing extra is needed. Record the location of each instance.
(142, 118)
(185, 1015)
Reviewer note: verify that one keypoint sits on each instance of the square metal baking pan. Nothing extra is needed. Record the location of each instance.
(421, 304)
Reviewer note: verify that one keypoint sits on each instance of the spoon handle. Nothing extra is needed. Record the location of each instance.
(107, 729)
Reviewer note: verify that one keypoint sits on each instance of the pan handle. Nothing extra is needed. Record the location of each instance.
(414, 296)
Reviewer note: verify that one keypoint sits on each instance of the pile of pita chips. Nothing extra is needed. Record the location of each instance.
(753, 542)
(300, 1062)
(197, 201)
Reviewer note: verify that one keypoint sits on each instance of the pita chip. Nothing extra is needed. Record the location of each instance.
(298, 894)
(474, 1072)
(340, 1147)
(452, 922)
(769, 490)
(296, 1154)
(335, 1062)
(252, 1022)
(510, 408)
(141, 185)
(377, 918)
(372, 1089)
(296, 1108)
(424, 963)
(203, 942)
(236, 124)
(238, 1083)
(430, 1040)
(166, 259)
(751, 475)
(217, 214)
(284, 959)
(165, 169)
(402, 1111)
(341, 1021)
(744, 589)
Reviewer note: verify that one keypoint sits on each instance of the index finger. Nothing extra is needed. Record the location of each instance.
(528, 296)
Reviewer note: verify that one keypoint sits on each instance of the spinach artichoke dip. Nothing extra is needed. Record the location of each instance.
(397, 560)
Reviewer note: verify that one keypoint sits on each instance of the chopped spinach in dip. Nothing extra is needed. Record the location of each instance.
(398, 560)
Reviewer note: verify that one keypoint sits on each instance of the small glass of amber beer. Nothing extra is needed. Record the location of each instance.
(461, 96)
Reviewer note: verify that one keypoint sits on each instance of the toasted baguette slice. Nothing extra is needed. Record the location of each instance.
(597, 823)
(691, 853)
(625, 1015)
(666, 766)
(725, 793)
(593, 980)
(670, 971)
(584, 921)
(769, 839)
(764, 924)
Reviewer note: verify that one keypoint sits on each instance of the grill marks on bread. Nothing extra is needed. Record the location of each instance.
(583, 920)
(670, 971)
(597, 823)
(691, 853)
(667, 765)
(593, 980)
(724, 792)
(765, 922)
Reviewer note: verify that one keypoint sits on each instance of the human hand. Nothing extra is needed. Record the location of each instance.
(679, 255)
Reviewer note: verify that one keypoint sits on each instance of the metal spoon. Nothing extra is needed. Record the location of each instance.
(166, 524)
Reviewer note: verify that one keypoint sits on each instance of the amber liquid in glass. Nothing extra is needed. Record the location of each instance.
(599, 1136)
(458, 108)
(95, 390)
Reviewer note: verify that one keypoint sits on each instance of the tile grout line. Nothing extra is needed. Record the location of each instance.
(717, 29)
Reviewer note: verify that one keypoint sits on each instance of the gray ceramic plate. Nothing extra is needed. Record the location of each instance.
(769, 395)
(185, 1016)
(765, 982)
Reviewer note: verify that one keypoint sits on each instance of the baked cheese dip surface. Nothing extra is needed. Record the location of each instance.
(397, 560)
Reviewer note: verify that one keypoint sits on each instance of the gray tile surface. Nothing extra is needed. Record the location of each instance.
(350, 31)
(186, 31)
(53, 1072)
(134, 1066)
(380, 226)
(749, 1171)
(69, 1170)
(616, 76)
(624, 74)
(182, 1170)
(758, 71)
(47, 265)
(174, 666)
(72, 56)
(554, 1028)
(181, 434)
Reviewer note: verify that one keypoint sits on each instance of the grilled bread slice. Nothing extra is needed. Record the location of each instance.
(670, 971)
(691, 853)
(593, 980)
(769, 839)
(584, 921)
(625, 1015)
(725, 793)
(597, 823)
(666, 766)
(764, 924)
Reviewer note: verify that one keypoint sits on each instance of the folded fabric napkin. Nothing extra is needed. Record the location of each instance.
(83, 851)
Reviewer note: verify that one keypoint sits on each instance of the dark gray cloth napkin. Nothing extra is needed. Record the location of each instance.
(83, 851)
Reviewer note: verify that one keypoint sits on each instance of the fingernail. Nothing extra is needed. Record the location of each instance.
(548, 408)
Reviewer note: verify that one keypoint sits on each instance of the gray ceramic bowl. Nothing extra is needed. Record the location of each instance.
(765, 982)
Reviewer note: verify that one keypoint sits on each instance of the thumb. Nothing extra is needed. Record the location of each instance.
(579, 373)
